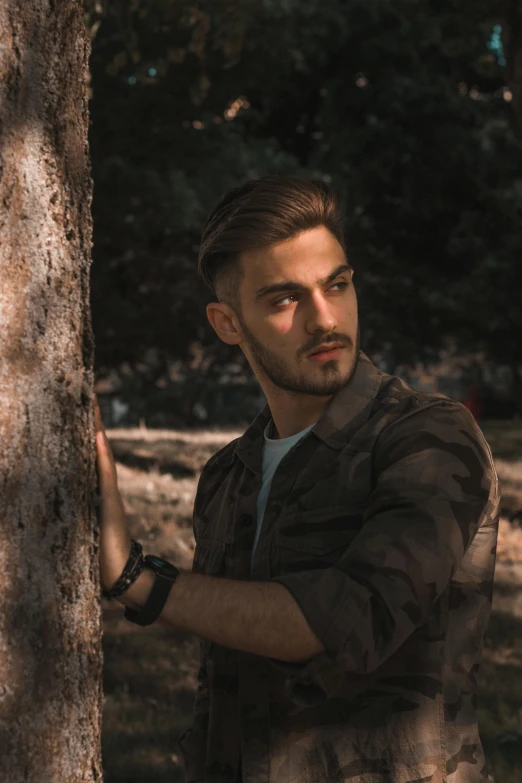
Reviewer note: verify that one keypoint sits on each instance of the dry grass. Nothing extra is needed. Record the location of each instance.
(150, 673)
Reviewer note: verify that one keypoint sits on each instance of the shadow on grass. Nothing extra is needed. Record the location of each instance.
(500, 690)
(128, 758)
(148, 457)
(504, 438)
(149, 686)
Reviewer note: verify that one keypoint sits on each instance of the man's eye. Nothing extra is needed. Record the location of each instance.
(280, 301)
(341, 283)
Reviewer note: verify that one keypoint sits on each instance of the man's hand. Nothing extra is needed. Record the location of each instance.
(115, 539)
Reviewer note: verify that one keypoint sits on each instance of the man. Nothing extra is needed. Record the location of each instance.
(345, 544)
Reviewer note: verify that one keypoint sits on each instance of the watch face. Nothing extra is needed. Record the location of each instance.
(161, 566)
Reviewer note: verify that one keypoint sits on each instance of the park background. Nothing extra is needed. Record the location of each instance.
(406, 110)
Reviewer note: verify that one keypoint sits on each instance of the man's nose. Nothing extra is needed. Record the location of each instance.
(321, 317)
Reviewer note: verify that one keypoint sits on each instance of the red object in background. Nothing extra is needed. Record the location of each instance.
(473, 403)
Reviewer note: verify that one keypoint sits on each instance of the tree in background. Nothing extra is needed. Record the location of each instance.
(402, 106)
(50, 653)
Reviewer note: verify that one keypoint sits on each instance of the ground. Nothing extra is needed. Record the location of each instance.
(150, 673)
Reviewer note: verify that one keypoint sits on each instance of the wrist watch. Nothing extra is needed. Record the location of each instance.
(166, 575)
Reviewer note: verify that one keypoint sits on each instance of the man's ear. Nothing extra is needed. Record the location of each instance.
(224, 322)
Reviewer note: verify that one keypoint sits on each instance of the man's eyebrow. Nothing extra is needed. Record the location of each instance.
(291, 285)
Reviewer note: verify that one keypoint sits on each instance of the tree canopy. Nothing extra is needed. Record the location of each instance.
(404, 107)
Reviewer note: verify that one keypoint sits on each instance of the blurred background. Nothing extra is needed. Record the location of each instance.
(406, 109)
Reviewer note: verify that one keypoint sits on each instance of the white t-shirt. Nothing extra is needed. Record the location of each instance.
(273, 453)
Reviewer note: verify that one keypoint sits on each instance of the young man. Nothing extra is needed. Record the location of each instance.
(345, 544)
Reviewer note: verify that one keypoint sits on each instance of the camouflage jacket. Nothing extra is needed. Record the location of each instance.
(382, 523)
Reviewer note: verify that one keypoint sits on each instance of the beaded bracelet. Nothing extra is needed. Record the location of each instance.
(133, 568)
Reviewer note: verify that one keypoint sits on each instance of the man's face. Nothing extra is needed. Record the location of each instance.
(295, 296)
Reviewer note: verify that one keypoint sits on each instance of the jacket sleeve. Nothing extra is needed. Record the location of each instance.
(192, 743)
(434, 484)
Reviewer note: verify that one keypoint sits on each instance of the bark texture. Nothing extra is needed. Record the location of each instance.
(50, 618)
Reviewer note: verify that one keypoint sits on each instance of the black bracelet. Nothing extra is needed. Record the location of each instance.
(133, 568)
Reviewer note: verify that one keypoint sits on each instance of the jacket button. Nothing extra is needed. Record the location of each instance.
(245, 520)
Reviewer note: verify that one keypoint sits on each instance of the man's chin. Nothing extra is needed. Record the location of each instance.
(329, 386)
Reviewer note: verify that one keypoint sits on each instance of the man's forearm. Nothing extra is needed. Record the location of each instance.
(256, 617)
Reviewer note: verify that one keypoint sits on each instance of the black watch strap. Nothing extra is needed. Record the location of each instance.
(166, 575)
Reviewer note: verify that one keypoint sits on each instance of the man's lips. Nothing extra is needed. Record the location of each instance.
(325, 347)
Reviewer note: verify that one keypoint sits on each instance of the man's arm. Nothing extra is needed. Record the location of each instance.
(436, 483)
(435, 495)
(256, 617)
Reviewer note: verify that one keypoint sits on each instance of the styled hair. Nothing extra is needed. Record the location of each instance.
(260, 213)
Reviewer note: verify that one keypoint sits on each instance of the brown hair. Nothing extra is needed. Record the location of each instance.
(260, 213)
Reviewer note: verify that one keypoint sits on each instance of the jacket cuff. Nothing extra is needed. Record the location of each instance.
(313, 681)
(330, 607)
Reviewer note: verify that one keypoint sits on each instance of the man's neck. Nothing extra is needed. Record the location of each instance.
(289, 421)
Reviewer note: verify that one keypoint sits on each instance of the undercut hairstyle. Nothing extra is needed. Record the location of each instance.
(260, 213)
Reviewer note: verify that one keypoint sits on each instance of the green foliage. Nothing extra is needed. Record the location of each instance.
(400, 105)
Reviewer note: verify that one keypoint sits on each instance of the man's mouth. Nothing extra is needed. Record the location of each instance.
(326, 352)
(324, 347)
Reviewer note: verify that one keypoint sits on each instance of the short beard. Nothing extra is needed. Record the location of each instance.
(277, 371)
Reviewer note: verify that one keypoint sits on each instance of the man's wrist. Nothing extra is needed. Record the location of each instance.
(135, 597)
(113, 559)
(131, 571)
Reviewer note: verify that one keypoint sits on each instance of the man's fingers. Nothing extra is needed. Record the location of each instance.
(97, 417)
(101, 436)
(106, 463)
(105, 455)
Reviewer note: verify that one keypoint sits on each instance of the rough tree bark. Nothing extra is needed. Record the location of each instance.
(50, 619)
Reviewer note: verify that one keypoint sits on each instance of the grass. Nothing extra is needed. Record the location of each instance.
(504, 438)
(150, 673)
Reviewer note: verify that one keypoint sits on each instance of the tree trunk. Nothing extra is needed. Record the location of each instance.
(513, 47)
(50, 618)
